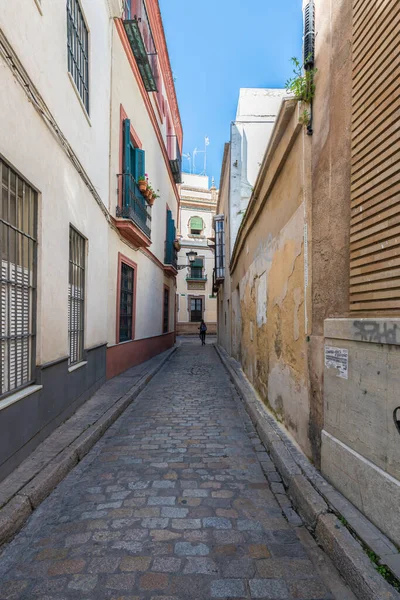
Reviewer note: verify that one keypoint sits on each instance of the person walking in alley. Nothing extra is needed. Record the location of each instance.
(203, 330)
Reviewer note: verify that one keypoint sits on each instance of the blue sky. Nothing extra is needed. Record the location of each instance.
(219, 46)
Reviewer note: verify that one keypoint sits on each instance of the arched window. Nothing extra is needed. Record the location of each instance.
(196, 225)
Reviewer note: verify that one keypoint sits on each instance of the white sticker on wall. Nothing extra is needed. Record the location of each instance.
(337, 358)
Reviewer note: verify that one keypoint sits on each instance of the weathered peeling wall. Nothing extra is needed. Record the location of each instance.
(268, 281)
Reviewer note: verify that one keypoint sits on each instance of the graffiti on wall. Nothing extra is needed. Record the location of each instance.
(375, 331)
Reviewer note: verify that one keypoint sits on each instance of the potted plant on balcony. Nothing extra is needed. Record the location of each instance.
(143, 184)
(149, 195)
(177, 245)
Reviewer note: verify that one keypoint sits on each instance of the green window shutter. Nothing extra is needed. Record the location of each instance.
(127, 146)
(196, 223)
(198, 262)
(169, 220)
(140, 168)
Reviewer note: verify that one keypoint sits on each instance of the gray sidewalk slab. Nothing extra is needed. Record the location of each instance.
(171, 504)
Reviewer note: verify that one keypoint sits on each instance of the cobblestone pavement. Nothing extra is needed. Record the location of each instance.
(171, 504)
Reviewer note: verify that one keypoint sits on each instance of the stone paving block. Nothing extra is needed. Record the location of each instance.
(268, 588)
(67, 567)
(200, 566)
(105, 564)
(166, 565)
(186, 523)
(228, 588)
(176, 513)
(308, 589)
(121, 581)
(191, 549)
(217, 522)
(161, 501)
(154, 581)
(83, 583)
(135, 563)
(155, 523)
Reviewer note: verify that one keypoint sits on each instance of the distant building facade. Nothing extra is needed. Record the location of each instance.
(195, 300)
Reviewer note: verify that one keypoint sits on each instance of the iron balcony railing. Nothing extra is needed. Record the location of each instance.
(171, 255)
(175, 157)
(138, 30)
(134, 205)
(195, 275)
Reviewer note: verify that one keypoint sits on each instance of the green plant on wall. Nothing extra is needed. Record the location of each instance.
(302, 86)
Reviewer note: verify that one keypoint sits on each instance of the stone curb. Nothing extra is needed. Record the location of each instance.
(16, 511)
(312, 496)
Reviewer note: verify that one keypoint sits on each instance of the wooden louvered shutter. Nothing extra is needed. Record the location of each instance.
(15, 367)
(127, 146)
(309, 35)
(196, 223)
(375, 187)
(140, 167)
(4, 328)
(127, 162)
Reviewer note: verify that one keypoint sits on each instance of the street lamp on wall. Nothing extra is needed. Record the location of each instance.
(191, 257)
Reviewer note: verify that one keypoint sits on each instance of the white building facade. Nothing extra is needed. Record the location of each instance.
(195, 298)
(76, 253)
(250, 135)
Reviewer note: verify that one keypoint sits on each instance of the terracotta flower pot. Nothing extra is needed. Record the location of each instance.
(177, 246)
(150, 200)
(142, 186)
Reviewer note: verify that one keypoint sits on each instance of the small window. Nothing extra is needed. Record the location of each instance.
(196, 225)
(76, 296)
(78, 50)
(166, 311)
(126, 303)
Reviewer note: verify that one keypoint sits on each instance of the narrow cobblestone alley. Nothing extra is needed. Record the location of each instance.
(171, 504)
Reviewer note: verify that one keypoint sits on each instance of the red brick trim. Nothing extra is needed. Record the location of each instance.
(124, 356)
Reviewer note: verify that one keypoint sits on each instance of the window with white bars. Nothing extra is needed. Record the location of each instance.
(76, 296)
(18, 224)
(78, 50)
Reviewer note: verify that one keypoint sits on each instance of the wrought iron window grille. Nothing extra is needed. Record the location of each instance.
(76, 296)
(18, 251)
(126, 303)
(78, 50)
